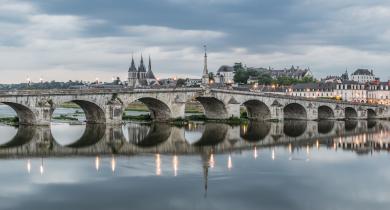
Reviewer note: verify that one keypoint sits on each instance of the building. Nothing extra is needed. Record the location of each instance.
(293, 72)
(379, 93)
(363, 76)
(193, 82)
(138, 77)
(352, 91)
(225, 75)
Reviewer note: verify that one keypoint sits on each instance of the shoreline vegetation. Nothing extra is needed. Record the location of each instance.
(140, 107)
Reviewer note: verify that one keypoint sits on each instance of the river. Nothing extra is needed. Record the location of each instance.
(261, 165)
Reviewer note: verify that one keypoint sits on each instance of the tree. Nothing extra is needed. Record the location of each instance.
(211, 76)
(180, 82)
(265, 79)
(308, 79)
(241, 76)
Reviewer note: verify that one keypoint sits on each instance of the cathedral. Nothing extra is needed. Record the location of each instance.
(141, 77)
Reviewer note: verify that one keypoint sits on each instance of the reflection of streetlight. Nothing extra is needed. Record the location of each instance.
(113, 163)
(273, 154)
(230, 164)
(158, 165)
(97, 163)
(28, 166)
(211, 161)
(255, 155)
(41, 167)
(175, 162)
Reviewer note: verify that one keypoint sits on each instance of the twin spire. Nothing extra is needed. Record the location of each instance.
(141, 67)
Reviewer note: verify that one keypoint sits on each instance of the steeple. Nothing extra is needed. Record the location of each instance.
(205, 70)
(132, 66)
(141, 67)
(150, 65)
(149, 74)
(205, 76)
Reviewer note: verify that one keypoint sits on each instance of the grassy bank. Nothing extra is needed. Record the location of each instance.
(65, 117)
(10, 120)
(140, 107)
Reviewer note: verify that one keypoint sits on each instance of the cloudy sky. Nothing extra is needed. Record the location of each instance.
(74, 39)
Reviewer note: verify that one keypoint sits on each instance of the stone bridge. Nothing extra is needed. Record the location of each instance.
(102, 139)
(35, 107)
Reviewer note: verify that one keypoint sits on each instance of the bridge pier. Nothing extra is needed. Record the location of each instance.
(361, 113)
(178, 110)
(312, 113)
(277, 113)
(42, 116)
(233, 110)
(339, 113)
(114, 113)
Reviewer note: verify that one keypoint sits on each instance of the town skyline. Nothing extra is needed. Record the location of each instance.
(57, 41)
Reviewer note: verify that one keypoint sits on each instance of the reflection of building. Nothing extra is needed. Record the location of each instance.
(137, 132)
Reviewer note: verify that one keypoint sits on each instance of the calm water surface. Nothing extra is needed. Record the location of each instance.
(295, 165)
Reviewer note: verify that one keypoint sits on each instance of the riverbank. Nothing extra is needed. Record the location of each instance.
(191, 107)
(13, 121)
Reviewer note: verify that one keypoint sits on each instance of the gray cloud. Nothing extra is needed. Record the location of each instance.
(96, 38)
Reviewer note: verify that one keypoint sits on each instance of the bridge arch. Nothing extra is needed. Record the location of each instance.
(257, 110)
(25, 114)
(350, 113)
(294, 111)
(371, 113)
(94, 114)
(213, 107)
(325, 113)
(158, 109)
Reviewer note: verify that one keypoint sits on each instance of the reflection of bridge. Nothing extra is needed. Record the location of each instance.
(101, 139)
(106, 106)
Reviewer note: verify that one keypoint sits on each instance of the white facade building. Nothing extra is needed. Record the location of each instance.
(225, 75)
(363, 76)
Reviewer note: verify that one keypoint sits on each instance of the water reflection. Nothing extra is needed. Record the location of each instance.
(325, 126)
(255, 130)
(100, 139)
(294, 128)
(225, 162)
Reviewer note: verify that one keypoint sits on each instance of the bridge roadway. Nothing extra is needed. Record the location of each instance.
(35, 107)
(102, 139)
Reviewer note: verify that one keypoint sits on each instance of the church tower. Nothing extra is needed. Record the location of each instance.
(205, 76)
(150, 78)
(132, 74)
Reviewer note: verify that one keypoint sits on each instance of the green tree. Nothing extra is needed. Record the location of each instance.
(265, 79)
(180, 83)
(241, 76)
(211, 76)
